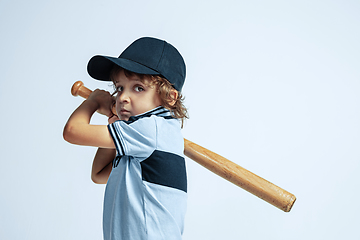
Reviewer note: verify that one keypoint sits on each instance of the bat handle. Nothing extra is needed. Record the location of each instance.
(78, 89)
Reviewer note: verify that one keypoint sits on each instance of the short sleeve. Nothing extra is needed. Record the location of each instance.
(137, 139)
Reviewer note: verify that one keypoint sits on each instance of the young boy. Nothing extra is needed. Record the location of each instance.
(140, 154)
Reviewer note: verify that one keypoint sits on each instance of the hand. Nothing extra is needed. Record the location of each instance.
(104, 101)
(113, 119)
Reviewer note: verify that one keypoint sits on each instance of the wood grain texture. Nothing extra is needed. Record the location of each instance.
(239, 176)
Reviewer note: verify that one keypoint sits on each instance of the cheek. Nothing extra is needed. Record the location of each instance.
(157, 100)
(117, 106)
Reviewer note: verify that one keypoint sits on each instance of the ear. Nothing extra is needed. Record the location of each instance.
(173, 97)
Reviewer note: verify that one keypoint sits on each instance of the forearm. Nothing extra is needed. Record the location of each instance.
(79, 119)
(79, 131)
(83, 113)
(102, 165)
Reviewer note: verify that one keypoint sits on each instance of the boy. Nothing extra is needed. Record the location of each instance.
(145, 196)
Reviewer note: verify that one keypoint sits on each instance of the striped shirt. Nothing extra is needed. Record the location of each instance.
(145, 196)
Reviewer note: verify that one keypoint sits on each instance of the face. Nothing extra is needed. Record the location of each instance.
(134, 97)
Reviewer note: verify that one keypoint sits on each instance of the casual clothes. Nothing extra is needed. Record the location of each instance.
(145, 196)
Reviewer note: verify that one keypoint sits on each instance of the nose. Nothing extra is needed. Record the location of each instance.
(123, 96)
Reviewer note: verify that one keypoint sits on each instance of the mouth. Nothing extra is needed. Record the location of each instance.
(124, 114)
(124, 111)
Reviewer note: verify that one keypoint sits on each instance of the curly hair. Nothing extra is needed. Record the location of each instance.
(164, 89)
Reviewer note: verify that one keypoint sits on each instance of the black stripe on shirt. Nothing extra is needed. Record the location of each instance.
(166, 169)
(159, 111)
(115, 135)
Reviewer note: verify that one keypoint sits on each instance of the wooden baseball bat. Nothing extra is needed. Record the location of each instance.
(225, 168)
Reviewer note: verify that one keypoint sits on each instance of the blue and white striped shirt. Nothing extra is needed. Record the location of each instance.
(145, 196)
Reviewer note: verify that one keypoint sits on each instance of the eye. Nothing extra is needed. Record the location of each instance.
(139, 88)
(117, 90)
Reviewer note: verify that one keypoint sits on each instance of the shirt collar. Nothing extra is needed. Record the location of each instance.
(159, 111)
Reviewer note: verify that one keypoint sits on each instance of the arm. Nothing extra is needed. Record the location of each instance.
(78, 129)
(102, 164)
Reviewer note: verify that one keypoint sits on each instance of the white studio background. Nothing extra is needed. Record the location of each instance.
(271, 85)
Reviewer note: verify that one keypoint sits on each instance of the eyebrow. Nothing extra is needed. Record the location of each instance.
(134, 80)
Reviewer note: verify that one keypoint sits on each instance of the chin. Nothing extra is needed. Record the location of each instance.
(124, 118)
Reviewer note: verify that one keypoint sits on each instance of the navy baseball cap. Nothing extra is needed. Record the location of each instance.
(145, 55)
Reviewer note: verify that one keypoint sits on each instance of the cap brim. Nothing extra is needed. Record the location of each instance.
(99, 67)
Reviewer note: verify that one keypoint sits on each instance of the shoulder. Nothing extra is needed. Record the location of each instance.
(167, 121)
(144, 127)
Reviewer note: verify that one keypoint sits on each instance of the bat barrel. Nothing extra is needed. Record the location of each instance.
(241, 177)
